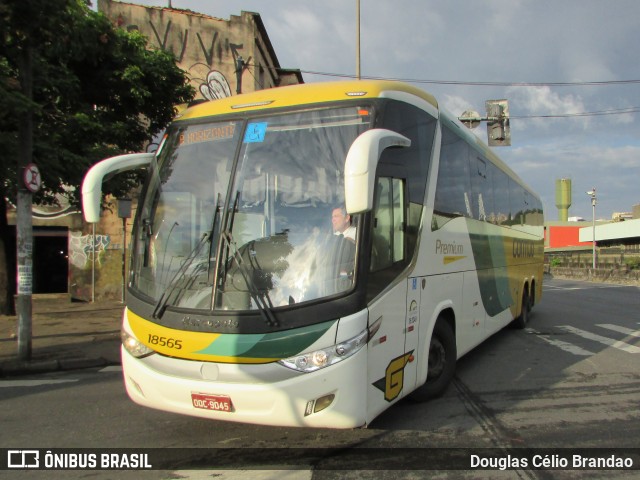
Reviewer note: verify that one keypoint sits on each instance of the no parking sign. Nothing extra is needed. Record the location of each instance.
(32, 178)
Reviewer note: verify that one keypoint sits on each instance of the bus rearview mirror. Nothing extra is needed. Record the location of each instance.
(360, 166)
(92, 183)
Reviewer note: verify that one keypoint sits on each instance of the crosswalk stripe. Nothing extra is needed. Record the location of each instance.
(618, 328)
(599, 338)
(566, 346)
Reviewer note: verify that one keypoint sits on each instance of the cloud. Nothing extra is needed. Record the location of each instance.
(613, 171)
(457, 104)
(542, 101)
(314, 37)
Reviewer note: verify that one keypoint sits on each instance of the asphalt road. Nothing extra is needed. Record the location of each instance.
(570, 380)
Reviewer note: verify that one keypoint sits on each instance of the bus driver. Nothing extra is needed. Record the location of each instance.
(341, 222)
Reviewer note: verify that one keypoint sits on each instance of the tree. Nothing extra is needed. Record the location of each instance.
(97, 91)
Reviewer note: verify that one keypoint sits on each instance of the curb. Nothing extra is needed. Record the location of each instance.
(21, 367)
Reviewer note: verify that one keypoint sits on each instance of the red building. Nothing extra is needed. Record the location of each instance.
(560, 235)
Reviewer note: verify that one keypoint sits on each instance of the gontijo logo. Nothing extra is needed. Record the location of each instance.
(523, 248)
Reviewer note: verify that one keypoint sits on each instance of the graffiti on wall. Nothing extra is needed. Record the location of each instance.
(210, 82)
(81, 248)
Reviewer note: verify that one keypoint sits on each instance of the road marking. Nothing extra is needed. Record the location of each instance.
(585, 287)
(566, 346)
(111, 368)
(33, 383)
(618, 328)
(554, 287)
(288, 474)
(599, 338)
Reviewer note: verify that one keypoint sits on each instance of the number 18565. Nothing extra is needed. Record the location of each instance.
(165, 341)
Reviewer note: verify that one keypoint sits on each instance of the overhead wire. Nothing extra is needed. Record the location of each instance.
(618, 111)
(483, 84)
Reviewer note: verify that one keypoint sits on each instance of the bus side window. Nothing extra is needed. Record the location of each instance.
(482, 185)
(388, 240)
(453, 191)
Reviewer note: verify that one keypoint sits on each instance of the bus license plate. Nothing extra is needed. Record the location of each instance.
(219, 403)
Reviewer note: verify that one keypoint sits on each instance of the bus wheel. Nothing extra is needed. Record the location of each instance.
(441, 363)
(523, 319)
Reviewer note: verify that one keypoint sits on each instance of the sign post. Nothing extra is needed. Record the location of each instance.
(124, 212)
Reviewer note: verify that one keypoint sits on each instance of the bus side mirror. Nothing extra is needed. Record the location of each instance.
(360, 166)
(92, 183)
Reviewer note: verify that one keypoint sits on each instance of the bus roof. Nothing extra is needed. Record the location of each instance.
(309, 93)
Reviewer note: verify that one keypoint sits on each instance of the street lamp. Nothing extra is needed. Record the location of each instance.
(592, 194)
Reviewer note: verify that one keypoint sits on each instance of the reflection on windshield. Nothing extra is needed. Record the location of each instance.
(175, 244)
(271, 243)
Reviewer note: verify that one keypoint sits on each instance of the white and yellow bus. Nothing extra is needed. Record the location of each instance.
(244, 304)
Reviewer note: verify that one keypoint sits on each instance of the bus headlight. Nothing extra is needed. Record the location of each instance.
(133, 346)
(312, 361)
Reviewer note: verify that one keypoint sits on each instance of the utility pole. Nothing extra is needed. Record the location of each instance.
(358, 39)
(28, 181)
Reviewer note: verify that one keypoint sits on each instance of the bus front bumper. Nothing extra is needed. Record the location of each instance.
(333, 397)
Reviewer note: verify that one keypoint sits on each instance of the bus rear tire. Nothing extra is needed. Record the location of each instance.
(521, 321)
(441, 363)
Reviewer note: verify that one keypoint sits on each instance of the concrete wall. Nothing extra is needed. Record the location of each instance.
(100, 275)
(619, 276)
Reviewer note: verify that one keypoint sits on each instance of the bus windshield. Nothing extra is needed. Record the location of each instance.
(237, 215)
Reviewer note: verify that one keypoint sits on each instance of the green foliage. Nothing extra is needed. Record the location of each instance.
(632, 263)
(97, 91)
(555, 262)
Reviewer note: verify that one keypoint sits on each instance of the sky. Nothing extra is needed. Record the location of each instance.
(448, 47)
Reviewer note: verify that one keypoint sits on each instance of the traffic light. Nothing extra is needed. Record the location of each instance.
(498, 129)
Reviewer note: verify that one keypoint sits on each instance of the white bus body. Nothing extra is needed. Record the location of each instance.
(243, 305)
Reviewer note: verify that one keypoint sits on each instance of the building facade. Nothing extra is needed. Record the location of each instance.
(221, 57)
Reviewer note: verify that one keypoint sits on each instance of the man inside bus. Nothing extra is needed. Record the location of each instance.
(341, 222)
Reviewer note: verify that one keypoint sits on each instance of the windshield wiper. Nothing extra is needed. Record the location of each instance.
(261, 299)
(161, 305)
(214, 223)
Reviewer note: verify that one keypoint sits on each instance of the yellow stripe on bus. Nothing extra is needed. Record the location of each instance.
(295, 95)
(181, 343)
(452, 258)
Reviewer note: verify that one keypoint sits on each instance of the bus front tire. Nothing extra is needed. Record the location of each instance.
(441, 363)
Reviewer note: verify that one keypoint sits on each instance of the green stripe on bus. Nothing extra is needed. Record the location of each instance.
(269, 345)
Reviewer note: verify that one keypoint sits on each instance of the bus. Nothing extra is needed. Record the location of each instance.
(246, 303)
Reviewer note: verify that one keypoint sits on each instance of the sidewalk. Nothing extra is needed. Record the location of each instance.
(65, 336)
